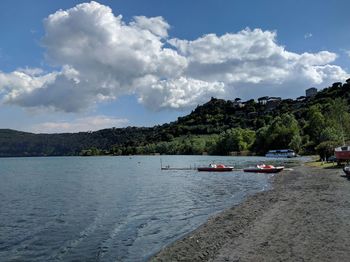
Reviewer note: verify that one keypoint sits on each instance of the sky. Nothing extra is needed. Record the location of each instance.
(69, 66)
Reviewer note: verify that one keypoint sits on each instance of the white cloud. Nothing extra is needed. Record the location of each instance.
(244, 45)
(102, 58)
(91, 123)
(22, 81)
(157, 25)
(320, 58)
(251, 63)
(180, 92)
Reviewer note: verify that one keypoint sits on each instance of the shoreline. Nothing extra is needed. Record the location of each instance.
(304, 216)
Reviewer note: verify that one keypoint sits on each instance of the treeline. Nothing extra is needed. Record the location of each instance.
(16, 143)
(322, 129)
(235, 139)
(307, 124)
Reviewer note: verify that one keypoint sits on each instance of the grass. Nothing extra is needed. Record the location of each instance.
(324, 165)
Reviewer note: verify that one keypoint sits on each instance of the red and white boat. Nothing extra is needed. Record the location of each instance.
(264, 169)
(342, 153)
(216, 168)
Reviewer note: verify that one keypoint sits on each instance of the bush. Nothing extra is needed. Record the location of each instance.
(326, 149)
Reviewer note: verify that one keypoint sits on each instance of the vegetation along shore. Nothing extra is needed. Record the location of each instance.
(305, 217)
(310, 124)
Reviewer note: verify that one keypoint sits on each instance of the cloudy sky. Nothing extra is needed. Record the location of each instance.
(69, 66)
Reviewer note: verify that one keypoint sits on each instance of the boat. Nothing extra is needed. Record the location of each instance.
(342, 153)
(281, 153)
(216, 168)
(264, 169)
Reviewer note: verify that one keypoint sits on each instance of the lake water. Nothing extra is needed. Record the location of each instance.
(111, 208)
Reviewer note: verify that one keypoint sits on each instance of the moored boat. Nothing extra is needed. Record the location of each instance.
(216, 168)
(281, 153)
(264, 169)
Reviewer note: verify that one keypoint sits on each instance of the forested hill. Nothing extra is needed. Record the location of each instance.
(305, 124)
(15, 143)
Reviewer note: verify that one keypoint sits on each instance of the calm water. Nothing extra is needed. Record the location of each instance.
(110, 208)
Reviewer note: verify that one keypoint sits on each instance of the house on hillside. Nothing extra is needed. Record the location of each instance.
(272, 103)
(263, 100)
(301, 98)
(311, 92)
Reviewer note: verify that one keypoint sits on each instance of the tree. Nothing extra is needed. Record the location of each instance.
(338, 117)
(296, 143)
(315, 123)
(330, 134)
(235, 139)
(283, 132)
(326, 149)
(261, 144)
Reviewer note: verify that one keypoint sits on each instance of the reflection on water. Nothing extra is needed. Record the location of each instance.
(110, 208)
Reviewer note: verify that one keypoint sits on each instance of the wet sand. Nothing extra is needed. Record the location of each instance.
(305, 217)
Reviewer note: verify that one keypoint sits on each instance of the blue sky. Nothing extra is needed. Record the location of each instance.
(144, 71)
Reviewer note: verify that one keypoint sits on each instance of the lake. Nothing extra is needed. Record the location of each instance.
(111, 208)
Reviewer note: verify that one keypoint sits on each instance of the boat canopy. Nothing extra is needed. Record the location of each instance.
(281, 151)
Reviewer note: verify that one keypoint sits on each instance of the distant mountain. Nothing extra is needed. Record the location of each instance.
(15, 143)
(213, 117)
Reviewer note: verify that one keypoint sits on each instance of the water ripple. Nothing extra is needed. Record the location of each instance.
(110, 208)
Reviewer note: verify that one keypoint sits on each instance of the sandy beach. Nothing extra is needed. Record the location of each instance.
(305, 217)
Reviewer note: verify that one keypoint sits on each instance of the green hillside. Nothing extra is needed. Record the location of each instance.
(306, 124)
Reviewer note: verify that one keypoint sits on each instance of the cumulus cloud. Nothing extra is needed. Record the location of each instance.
(23, 81)
(251, 63)
(103, 57)
(91, 123)
(179, 93)
(157, 25)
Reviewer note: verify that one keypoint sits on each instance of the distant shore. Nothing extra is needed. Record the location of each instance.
(305, 217)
